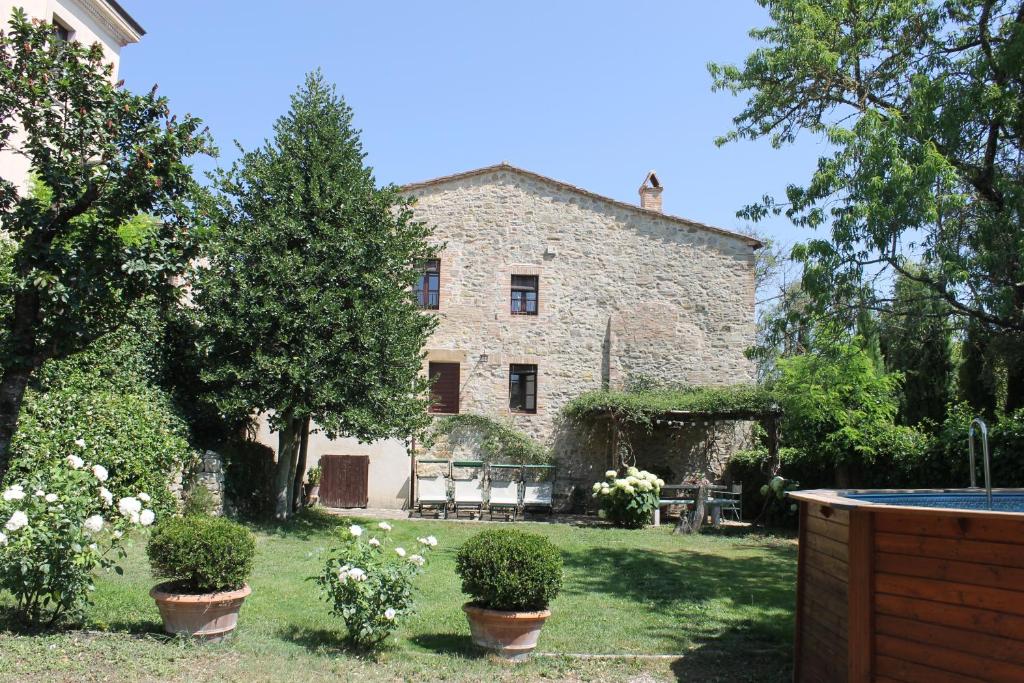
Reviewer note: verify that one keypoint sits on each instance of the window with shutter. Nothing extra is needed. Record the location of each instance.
(428, 288)
(444, 387)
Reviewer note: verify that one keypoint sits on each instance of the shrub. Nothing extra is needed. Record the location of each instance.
(59, 525)
(492, 440)
(134, 434)
(369, 584)
(629, 501)
(198, 501)
(510, 570)
(314, 475)
(202, 554)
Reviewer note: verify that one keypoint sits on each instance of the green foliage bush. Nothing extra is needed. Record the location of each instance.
(510, 570)
(645, 402)
(630, 501)
(199, 554)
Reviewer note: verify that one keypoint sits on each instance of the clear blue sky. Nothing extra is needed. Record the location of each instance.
(593, 93)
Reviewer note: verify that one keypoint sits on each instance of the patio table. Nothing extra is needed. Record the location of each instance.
(714, 506)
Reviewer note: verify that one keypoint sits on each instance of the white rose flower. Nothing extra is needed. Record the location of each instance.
(661, 483)
(389, 613)
(632, 480)
(40, 493)
(93, 547)
(144, 497)
(100, 472)
(343, 573)
(422, 540)
(118, 534)
(431, 541)
(610, 474)
(385, 526)
(597, 487)
(93, 524)
(130, 508)
(75, 462)
(356, 530)
(417, 560)
(50, 498)
(80, 443)
(628, 490)
(632, 471)
(602, 513)
(17, 521)
(400, 551)
(374, 542)
(146, 517)
(3, 538)
(107, 496)
(14, 493)
(644, 485)
(356, 574)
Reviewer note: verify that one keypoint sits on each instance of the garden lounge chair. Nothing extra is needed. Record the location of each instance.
(432, 486)
(503, 488)
(468, 478)
(538, 487)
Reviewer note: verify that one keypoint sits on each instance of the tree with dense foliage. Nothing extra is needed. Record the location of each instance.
(839, 411)
(307, 308)
(922, 102)
(917, 342)
(83, 248)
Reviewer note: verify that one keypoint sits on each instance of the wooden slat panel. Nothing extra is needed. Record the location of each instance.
(828, 529)
(859, 589)
(909, 672)
(979, 644)
(967, 528)
(971, 620)
(827, 564)
(981, 597)
(950, 661)
(951, 570)
(1001, 554)
(445, 386)
(800, 667)
(815, 511)
(826, 546)
(826, 614)
(343, 483)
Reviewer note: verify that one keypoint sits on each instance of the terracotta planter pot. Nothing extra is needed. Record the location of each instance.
(312, 493)
(510, 635)
(211, 616)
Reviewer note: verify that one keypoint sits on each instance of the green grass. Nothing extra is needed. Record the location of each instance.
(723, 605)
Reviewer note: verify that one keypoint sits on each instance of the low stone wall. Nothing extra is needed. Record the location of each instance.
(209, 474)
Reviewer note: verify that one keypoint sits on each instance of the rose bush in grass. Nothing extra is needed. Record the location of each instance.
(368, 583)
(628, 501)
(59, 525)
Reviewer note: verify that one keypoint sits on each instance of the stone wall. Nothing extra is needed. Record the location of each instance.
(622, 292)
(210, 475)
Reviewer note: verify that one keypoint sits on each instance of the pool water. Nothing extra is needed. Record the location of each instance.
(1003, 502)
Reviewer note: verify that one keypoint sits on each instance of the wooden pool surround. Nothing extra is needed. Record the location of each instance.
(896, 593)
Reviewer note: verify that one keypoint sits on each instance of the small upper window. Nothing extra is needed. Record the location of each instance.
(61, 30)
(428, 289)
(522, 388)
(524, 294)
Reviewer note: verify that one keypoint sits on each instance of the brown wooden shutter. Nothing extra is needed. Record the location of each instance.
(345, 481)
(445, 387)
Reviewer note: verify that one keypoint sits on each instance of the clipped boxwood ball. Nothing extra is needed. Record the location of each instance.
(510, 570)
(201, 554)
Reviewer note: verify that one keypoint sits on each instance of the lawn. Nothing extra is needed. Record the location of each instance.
(720, 605)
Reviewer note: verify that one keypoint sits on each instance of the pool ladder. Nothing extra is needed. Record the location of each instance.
(984, 452)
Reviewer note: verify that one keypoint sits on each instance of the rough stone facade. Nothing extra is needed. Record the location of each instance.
(623, 292)
(210, 475)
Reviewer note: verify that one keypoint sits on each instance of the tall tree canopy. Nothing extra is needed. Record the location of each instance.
(307, 307)
(80, 251)
(922, 102)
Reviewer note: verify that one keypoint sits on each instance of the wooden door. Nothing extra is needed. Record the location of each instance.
(345, 481)
(444, 388)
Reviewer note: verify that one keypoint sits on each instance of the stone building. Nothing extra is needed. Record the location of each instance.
(544, 291)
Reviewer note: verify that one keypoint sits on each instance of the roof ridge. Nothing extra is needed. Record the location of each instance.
(505, 166)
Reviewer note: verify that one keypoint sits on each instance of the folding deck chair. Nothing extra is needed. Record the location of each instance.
(468, 478)
(538, 488)
(503, 485)
(432, 486)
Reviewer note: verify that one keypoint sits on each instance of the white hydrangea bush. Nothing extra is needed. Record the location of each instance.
(59, 525)
(367, 580)
(628, 501)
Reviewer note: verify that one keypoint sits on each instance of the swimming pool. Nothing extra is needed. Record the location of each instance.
(957, 500)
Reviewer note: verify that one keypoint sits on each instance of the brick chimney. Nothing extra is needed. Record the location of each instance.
(650, 193)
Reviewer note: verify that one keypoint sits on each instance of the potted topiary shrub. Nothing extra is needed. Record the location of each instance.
(205, 561)
(512, 577)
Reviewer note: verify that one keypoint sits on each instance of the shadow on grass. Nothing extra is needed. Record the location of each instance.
(324, 641)
(449, 644)
(308, 523)
(739, 653)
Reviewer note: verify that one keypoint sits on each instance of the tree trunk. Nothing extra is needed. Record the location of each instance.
(298, 499)
(288, 442)
(12, 392)
(690, 523)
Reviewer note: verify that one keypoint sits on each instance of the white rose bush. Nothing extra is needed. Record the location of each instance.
(369, 585)
(53, 539)
(628, 501)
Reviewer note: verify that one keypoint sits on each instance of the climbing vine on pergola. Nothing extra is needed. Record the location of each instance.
(678, 409)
